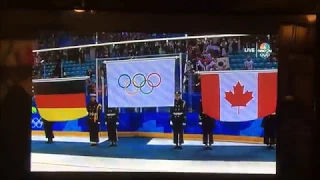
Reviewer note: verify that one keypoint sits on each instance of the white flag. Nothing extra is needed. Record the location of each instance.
(141, 83)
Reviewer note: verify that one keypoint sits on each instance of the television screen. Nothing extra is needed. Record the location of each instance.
(154, 102)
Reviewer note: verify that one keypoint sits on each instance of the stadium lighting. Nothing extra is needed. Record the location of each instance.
(312, 18)
(79, 10)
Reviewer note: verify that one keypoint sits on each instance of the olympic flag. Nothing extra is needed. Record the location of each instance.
(141, 83)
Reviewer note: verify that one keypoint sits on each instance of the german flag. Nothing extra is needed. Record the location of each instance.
(60, 99)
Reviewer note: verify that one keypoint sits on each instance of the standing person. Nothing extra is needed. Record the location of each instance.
(112, 121)
(57, 71)
(178, 120)
(94, 111)
(269, 125)
(207, 124)
(248, 64)
(47, 125)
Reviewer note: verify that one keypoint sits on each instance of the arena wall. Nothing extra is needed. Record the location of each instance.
(156, 124)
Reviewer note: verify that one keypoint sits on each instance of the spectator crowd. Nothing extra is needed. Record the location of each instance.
(202, 54)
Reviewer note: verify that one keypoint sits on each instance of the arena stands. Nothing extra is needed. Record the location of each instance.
(197, 54)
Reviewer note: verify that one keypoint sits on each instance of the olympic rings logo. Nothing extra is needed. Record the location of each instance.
(264, 55)
(139, 82)
(36, 123)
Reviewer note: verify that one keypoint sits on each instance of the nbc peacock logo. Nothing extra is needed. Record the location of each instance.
(264, 50)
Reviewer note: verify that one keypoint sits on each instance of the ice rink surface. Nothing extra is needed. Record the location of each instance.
(41, 162)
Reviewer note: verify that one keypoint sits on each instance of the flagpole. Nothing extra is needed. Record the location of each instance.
(102, 101)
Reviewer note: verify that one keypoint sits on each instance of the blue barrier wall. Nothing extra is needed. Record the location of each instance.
(151, 121)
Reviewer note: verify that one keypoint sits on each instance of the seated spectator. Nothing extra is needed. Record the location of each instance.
(206, 56)
(89, 73)
(248, 64)
(274, 59)
(189, 67)
(206, 63)
(205, 66)
(57, 72)
(213, 49)
(234, 46)
(224, 44)
(224, 52)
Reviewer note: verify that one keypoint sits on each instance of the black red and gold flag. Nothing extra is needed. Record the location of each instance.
(61, 99)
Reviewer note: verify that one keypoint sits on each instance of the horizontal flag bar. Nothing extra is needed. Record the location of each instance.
(235, 71)
(141, 59)
(138, 57)
(140, 41)
(60, 79)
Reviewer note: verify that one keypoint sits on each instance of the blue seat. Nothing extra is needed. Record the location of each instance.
(78, 73)
(239, 66)
(239, 61)
(261, 65)
(258, 60)
(269, 65)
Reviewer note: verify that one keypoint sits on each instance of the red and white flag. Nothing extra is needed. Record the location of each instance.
(239, 96)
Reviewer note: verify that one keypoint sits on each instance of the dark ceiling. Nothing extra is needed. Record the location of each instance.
(223, 16)
(189, 6)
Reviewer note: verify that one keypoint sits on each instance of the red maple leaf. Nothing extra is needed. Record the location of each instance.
(238, 97)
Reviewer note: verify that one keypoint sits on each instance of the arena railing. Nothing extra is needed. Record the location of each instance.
(140, 41)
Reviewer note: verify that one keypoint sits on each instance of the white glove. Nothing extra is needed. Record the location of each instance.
(200, 123)
(183, 124)
(99, 123)
(105, 123)
(117, 123)
(171, 123)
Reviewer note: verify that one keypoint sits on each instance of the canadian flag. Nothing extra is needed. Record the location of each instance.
(240, 95)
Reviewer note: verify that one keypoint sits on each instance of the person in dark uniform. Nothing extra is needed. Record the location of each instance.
(269, 125)
(94, 111)
(112, 121)
(178, 120)
(207, 124)
(47, 125)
